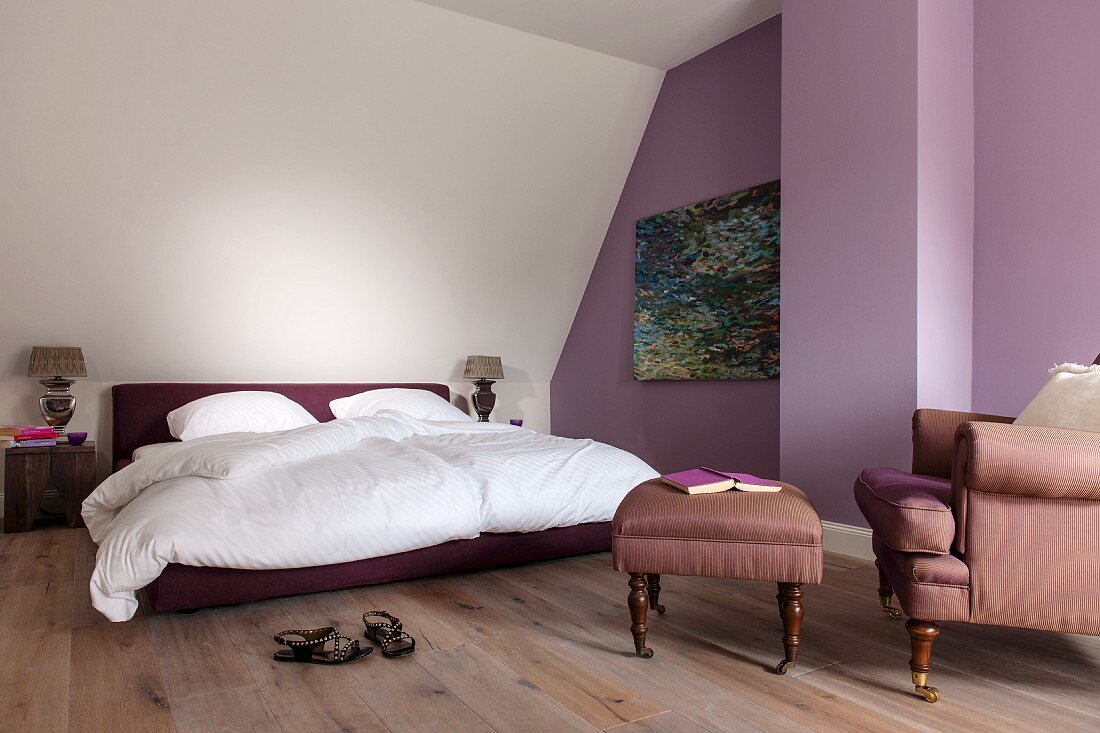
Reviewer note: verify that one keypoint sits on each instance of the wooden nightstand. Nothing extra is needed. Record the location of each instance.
(28, 472)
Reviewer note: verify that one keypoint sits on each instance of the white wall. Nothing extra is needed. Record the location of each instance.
(272, 190)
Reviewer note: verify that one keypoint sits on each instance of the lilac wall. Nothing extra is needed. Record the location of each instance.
(945, 203)
(878, 145)
(849, 288)
(1037, 219)
(714, 129)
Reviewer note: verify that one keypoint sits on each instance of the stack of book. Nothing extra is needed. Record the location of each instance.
(26, 436)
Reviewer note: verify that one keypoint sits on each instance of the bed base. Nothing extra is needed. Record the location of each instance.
(186, 588)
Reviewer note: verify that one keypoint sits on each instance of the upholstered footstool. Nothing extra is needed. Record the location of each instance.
(660, 530)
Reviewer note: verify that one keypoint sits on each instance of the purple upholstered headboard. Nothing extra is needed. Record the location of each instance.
(141, 410)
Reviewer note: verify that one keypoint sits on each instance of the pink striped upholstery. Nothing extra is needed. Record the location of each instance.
(1026, 552)
(1032, 460)
(909, 513)
(1035, 562)
(733, 534)
(927, 586)
(1028, 460)
(934, 438)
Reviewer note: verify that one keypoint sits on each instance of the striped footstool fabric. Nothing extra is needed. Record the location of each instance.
(731, 534)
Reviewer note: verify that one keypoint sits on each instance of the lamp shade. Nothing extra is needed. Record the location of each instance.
(57, 361)
(483, 367)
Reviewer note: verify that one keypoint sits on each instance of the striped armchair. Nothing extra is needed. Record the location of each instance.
(996, 524)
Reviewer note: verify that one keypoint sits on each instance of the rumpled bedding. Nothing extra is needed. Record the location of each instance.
(340, 491)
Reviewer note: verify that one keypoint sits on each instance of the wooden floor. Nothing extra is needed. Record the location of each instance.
(543, 647)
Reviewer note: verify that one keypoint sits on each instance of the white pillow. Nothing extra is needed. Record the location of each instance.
(237, 412)
(418, 403)
(1069, 399)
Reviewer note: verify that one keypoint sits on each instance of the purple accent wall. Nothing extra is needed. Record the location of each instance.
(1037, 221)
(877, 233)
(714, 129)
(849, 289)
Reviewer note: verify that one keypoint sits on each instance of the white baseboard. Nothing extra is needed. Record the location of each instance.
(845, 539)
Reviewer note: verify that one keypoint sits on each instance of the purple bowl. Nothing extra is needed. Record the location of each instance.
(76, 438)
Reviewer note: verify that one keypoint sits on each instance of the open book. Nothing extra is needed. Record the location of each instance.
(709, 481)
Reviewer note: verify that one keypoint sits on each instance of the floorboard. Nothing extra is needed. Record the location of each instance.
(597, 697)
(705, 703)
(301, 697)
(400, 692)
(45, 556)
(35, 639)
(83, 563)
(114, 680)
(530, 648)
(10, 550)
(667, 722)
(498, 695)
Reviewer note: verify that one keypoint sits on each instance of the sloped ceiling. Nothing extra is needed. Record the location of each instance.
(280, 190)
(658, 33)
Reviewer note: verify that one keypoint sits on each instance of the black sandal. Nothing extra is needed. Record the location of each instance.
(306, 648)
(389, 635)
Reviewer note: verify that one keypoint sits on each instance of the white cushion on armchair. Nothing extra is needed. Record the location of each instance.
(1069, 399)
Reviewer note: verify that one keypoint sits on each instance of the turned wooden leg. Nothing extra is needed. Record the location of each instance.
(885, 593)
(638, 602)
(921, 636)
(654, 590)
(790, 609)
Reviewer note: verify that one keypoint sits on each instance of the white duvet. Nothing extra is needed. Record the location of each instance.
(339, 491)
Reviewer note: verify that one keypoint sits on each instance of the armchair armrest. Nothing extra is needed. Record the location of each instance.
(1029, 461)
(934, 438)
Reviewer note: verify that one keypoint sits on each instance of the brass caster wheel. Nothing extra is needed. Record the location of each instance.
(931, 694)
(659, 608)
(891, 611)
(783, 666)
(645, 653)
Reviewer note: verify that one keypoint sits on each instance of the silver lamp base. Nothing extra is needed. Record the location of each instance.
(58, 404)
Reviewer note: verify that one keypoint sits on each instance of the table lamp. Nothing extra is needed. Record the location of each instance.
(56, 364)
(483, 370)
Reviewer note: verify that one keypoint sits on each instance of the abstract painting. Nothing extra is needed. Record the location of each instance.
(706, 289)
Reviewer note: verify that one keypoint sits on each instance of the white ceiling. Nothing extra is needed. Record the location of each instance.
(657, 33)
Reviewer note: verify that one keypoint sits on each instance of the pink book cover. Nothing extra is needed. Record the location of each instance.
(26, 431)
(703, 476)
(745, 478)
(696, 477)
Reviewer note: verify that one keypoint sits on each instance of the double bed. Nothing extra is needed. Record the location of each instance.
(355, 501)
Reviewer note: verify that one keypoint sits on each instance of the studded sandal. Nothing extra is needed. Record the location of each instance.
(308, 647)
(388, 634)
